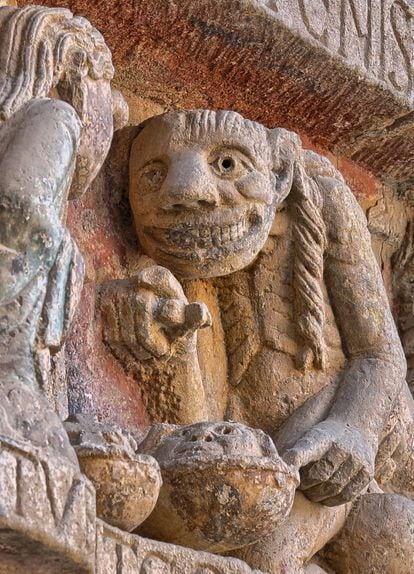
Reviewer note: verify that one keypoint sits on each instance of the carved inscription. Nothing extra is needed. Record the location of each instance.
(121, 553)
(376, 37)
(45, 501)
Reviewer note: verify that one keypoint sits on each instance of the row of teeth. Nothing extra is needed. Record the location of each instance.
(207, 236)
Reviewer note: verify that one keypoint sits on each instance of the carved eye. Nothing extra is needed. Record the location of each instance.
(152, 176)
(230, 164)
(226, 164)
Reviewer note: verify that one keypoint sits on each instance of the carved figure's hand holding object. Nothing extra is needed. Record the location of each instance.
(154, 318)
(336, 462)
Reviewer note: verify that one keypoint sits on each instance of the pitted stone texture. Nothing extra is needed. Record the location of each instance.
(127, 484)
(224, 485)
(372, 523)
(48, 525)
(319, 350)
(47, 522)
(340, 71)
(41, 269)
(120, 553)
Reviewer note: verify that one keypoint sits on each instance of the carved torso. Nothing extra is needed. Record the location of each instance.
(260, 340)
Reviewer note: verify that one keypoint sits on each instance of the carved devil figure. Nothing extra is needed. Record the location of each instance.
(261, 242)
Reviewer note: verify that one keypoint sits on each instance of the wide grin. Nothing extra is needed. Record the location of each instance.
(204, 236)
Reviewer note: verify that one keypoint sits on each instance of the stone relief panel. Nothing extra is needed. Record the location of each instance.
(58, 114)
(224, 206)
(44, 52)
(257, 256)
(376, 37)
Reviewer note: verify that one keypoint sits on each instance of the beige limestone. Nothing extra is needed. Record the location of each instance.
(127, 484)
(205, 188)
(224, 485)
(254, 240)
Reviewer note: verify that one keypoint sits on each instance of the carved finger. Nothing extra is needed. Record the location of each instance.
(197, 316)
(181, 318)
(354, 487)
(335, 484)
(309, 448)
(147, 331)
(322, 470)
(171, 312)
(161, 281)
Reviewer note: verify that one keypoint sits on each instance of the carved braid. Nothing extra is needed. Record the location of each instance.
(309, 235)
(40, 47)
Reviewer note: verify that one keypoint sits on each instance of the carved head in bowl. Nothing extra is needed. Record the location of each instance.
(224, 485)
(204, 187)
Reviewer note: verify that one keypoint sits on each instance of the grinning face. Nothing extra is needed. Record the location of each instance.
(202, 191)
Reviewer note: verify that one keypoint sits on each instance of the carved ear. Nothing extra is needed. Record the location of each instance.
(285, 151)
(319, 166)
(268, 446)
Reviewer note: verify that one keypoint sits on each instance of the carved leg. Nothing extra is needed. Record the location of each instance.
(291, 546)
(378, 537)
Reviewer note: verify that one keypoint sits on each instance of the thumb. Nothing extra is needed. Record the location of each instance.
(307, 449)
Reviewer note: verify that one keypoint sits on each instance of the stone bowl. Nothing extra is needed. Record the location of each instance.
(127, 487)
(221, 504)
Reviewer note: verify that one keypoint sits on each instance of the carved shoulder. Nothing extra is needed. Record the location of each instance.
(345, 223)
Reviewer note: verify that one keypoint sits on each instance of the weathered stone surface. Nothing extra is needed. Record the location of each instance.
(206, 189)
(383, 522)
(127, 484)
(224, 485)
(263, 247)
(120, 553)
(339, 71)
(47, 522)
(48, 525)
(41, 270)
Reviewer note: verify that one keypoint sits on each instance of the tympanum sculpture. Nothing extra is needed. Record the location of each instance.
(258, 301)
(262, 244)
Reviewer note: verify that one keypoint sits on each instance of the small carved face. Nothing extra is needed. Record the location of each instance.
(224, 485)
(208, 440)
(202, 191)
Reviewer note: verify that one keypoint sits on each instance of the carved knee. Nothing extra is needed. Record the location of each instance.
(378, 537)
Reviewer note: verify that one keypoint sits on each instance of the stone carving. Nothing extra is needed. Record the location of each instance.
(55, 73)
(127, 484)
(57, 116)
(224, 485)
(44, 52)
(122, 553)
(47, 523)
(252, 244)
(377, 37)
(241, 220)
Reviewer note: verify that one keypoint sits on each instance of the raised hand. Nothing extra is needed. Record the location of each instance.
(150, 316)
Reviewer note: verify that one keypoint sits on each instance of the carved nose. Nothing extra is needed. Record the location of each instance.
(188, 186)
(202, 435)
